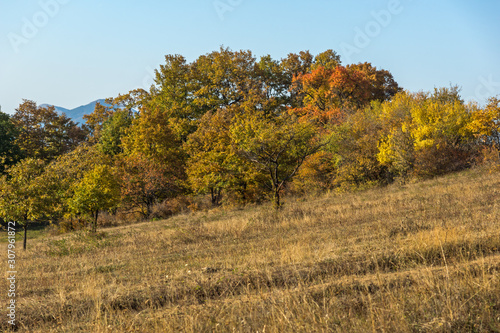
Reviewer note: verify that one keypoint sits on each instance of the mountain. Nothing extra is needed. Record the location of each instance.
(77, 114)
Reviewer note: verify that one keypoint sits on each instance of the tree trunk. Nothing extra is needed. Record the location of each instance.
(219, 196)
(149, 202)
(25, 227)
(94, 223)
(215, 196)
(277, 203)
(212, 197)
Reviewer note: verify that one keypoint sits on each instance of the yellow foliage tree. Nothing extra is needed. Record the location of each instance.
(21, 198)
(98, 190)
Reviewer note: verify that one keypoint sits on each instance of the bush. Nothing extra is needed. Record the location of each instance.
(72, 224)
(442, 158)
(174, 206)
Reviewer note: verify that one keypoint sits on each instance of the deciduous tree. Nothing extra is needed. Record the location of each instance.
(211, 163)
(95, 121)
(98, 190)
(113, 130)
(21, 198)
(9, 150)
(277, 146)
(144, 182)
(43, 133)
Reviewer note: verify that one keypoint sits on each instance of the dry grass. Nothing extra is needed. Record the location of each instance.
(423, 257)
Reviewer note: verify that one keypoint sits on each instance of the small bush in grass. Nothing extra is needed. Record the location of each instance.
(174, 206)
(109, 220)
(72, 224)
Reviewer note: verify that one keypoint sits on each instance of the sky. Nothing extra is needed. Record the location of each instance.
(72, 52)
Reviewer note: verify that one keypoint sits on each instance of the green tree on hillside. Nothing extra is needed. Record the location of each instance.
(113, 130)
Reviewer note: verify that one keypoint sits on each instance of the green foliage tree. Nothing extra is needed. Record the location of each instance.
(274, 85)
(354, 145)
(9, 151)
(328, 60)
(113, 130)
(223, 78)
(150, 135)
(173, 96)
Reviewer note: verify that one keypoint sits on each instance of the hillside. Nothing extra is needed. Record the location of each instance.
(422, 257)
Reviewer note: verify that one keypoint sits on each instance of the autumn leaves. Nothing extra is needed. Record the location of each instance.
(240, 130)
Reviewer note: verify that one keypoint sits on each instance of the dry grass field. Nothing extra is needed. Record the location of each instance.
(422, 257)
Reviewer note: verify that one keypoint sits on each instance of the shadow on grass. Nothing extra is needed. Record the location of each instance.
(35, 230)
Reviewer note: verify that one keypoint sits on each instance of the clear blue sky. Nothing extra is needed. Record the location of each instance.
(71, 52)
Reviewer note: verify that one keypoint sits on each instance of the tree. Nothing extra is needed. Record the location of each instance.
(60, 176)
(154, 152)
(150, 135)
(293, 66)
(332, 94)
(210, 167)
(277, 146)
(485, 123)
(328, 60)
(173, 95)
(9, 151)
(223, 78)
(113, 130)
(95, 121)
(98, 190)
(21, 198)
(274, 85)
(382, 86)
(43, 133)
(354, 145)
(144, 182)
(427, 134)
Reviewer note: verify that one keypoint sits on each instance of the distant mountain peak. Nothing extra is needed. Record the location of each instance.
(77, 113)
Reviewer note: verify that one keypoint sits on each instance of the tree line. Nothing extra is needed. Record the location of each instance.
(238, 129)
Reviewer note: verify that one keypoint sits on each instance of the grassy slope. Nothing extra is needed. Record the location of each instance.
(420, 257)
